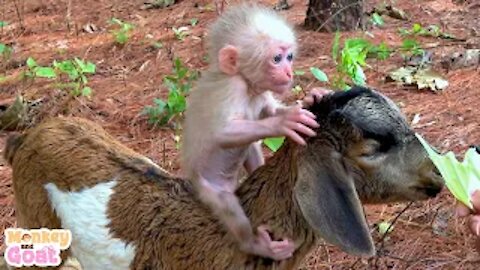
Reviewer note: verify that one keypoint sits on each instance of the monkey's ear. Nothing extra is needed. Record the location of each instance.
(329, 202)
(227, 60)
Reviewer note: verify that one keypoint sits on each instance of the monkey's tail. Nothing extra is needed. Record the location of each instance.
(13, 143)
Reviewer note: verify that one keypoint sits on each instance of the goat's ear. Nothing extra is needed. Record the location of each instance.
(329, 202)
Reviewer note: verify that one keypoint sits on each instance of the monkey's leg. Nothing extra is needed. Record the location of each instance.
(227, 208)
(254, 157)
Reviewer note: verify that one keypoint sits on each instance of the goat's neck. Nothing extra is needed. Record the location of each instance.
(267, 197)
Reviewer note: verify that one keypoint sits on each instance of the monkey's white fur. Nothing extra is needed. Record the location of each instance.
(214, 100)
(251, 26)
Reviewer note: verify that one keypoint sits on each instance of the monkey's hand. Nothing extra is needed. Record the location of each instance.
(293, 120)
(313, 96)
(264, 246)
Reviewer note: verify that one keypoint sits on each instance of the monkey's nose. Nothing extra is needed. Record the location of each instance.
(289, 73)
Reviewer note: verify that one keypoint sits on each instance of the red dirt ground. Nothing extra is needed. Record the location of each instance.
(426, 236)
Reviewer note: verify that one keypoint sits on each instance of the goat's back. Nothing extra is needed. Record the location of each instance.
(145, 206)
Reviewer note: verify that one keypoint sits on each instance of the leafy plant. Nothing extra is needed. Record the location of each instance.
(377, 19)
(351, 60)
(181, 32)
(461, 178)
(5, 51)
(193, 21)
(122, 32)
(431, 31)
(76, 72)
(178, 84)
(411, 46)
(3, 24)
(38, 71)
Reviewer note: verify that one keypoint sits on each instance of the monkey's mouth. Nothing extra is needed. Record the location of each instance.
(284, 85)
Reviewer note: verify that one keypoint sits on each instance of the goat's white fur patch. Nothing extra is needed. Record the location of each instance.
(84, 213)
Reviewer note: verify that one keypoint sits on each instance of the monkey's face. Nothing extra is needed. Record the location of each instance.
(278, 73)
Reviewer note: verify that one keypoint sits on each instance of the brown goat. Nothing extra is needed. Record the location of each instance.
(124, 212)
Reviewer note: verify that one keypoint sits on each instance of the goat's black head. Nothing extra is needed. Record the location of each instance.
(364, 151)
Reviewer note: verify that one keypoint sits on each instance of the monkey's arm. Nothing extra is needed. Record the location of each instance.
(254, 157)
(243, 132)
(240, 132)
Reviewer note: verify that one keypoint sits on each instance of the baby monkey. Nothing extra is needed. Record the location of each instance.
(232, 109)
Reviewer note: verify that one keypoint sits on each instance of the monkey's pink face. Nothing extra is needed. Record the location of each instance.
(279, 73)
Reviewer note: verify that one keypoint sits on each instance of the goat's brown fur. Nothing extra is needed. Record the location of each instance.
(159, 214)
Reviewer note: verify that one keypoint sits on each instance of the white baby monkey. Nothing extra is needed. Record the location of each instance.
(232, 109)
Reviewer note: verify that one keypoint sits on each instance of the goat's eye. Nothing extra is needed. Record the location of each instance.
(277, 59)
(290, 57)
(370, 148)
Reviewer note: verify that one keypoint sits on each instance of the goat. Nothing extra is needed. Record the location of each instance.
(125, 212)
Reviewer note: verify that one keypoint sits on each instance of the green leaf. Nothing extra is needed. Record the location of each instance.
(89, 68)
(67, 67)
(382, 51)
(385, 227)
(298, 72)
(416, 28)
(319, 74)
(3, 24)
(274, 143)
(31, 63)
(121, 37)
(157, 45)
(45, 72)
(3, 48)
(194, 21)
(297, 89)
(160, 104)
(86, 91)
(336, 46)
(359, 77)
(176, 102)
(115, 21)
(377, 19)
(461, 179)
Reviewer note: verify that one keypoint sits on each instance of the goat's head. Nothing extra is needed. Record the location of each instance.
(364, 152)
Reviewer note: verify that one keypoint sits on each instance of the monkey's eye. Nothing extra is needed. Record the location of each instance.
(277, 59)
(290, 57)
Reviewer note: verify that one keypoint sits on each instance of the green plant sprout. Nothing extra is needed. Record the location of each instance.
(5, 51)
(123, 31)
(178, 84)
(385, 227)
(76, 71)
(429, 31)
(461, 178)
(181, 32)
(298, 72)
(411, 46)
(377, 19)
(3, 24)
(193, 21)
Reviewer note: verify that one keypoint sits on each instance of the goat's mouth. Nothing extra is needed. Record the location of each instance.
(429, 190)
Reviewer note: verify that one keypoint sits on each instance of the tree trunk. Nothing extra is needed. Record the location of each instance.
(334, 15)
